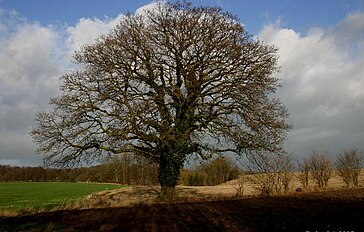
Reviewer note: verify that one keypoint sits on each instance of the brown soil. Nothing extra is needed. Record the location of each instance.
(340, 210)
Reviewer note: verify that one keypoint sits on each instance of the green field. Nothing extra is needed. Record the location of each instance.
(22, 196)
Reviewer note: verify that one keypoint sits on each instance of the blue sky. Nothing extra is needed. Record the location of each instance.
(321, 50)
(300, 15)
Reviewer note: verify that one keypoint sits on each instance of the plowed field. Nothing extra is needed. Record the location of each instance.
(340, 210)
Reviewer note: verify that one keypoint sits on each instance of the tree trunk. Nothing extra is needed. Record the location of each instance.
(168, 175)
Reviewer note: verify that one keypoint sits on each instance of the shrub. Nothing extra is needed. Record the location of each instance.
(349, 164)
(304, 173)
(320, 168)
(211, 173)
(273, 172)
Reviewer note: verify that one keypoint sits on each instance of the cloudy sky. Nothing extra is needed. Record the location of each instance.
(321, 49)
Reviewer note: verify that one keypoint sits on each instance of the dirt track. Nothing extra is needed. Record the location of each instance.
(327, 211)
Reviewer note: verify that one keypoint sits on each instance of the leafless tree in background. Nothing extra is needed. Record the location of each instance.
(130, 169)
(271, 173)
(285, 167)
(213, 172)
(349, 164)
(240, 187)
(320, 168)
(175, 81)
(304, 173)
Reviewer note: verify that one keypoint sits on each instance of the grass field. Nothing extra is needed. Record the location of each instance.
(26, 196)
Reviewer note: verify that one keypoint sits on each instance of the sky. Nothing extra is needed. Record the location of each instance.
(321, 59)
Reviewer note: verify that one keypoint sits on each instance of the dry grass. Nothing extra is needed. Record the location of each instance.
(149, 194)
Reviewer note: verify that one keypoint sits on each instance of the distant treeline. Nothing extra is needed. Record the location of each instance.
(124, 169)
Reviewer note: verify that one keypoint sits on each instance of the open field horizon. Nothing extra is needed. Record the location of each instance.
(199, 208)
(46, 196)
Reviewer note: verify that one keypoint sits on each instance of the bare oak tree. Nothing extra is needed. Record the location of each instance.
(175, 81)
(349, 164)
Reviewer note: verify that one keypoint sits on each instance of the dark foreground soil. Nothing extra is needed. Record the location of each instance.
(325, 211)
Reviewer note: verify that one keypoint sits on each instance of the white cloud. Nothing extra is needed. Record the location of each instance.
(323, 84)
(149, 7)
(29, 73)
(350, 31)
(87, 30)
(32, 58)
(24, 57)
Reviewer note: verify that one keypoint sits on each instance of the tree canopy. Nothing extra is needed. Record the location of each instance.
(175, 81)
